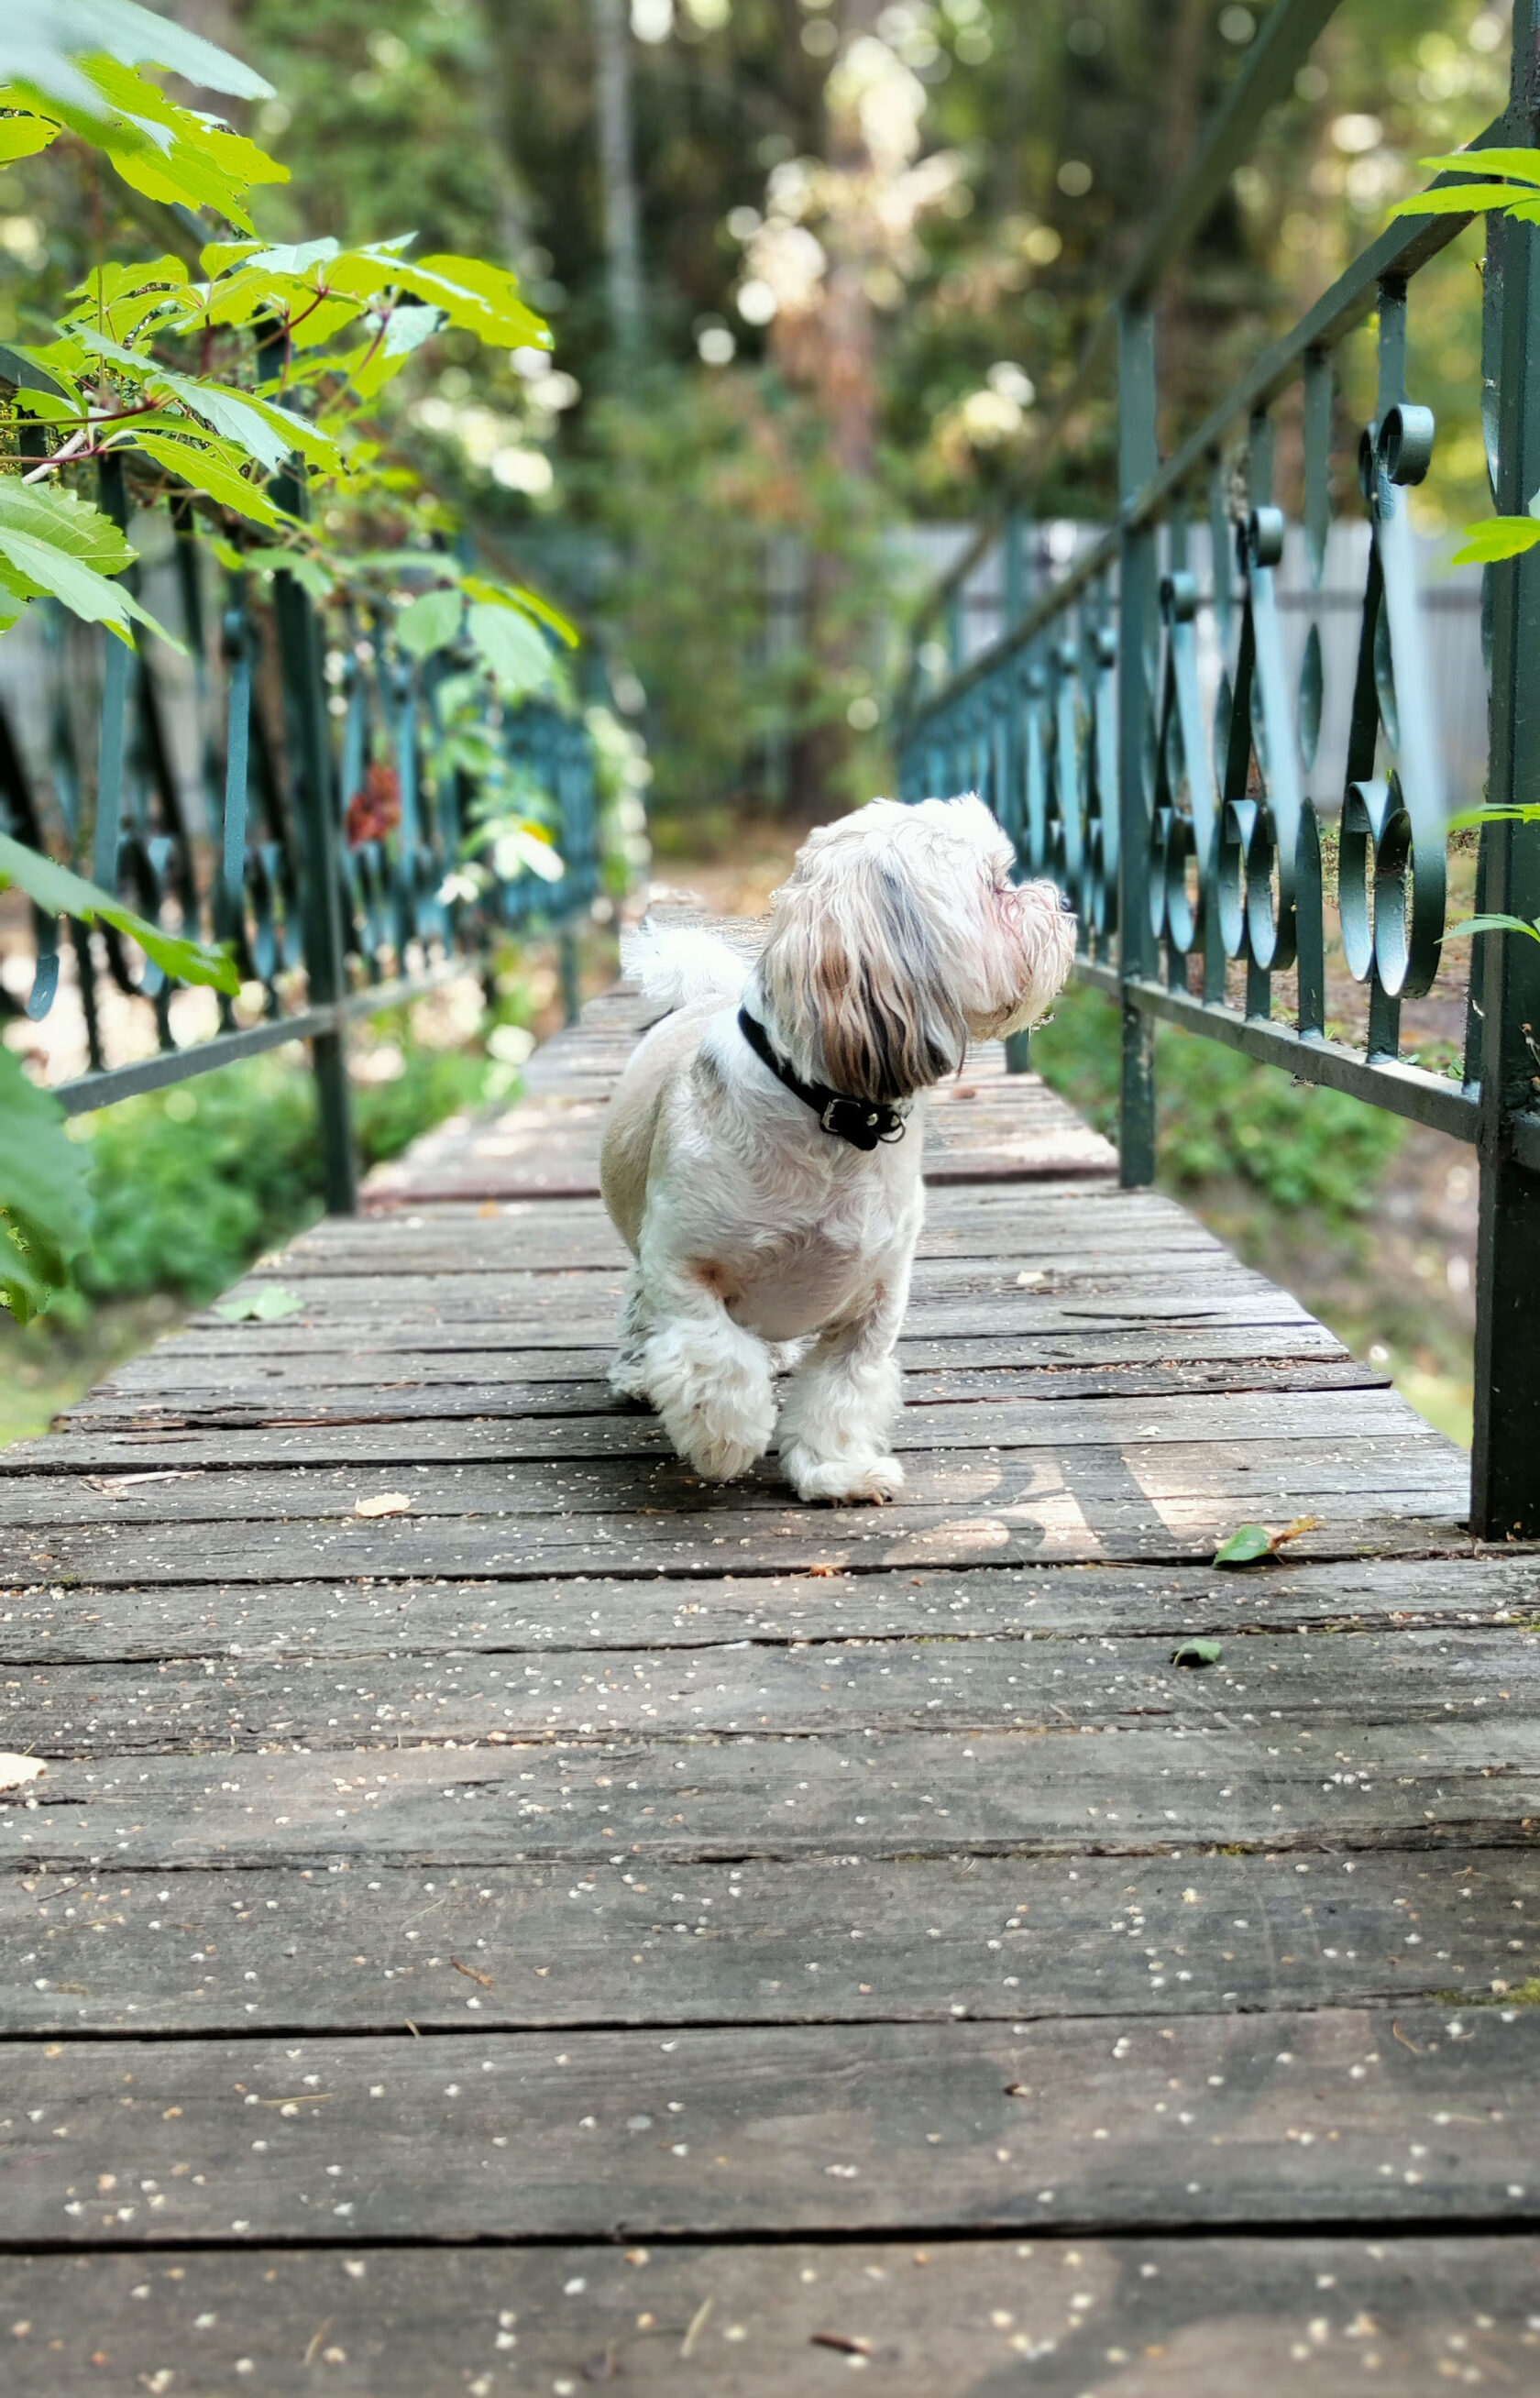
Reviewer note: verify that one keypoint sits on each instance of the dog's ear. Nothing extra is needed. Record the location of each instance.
(853, 975)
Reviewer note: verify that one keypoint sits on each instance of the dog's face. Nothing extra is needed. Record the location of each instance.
(899, 936)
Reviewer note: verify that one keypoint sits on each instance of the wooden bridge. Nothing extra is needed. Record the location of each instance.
(500, 1916)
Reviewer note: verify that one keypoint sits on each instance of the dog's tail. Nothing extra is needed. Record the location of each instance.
(674, 964)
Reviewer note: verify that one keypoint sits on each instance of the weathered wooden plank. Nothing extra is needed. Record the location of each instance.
(1135, 1260)
(1415, 1466)
(539, 1234)
(1047, 1684)
(326, 1619)
(195, 1361)
(1010, 1128)
(522, 1947)
(1346, 1413)
(1064, 1526)
(207, 1355)
(862, 1793)
(1279, 2119)
(548, 1317)
(247, 1405)
(1144, 1282)
(1207, 2317)
(421, 1244)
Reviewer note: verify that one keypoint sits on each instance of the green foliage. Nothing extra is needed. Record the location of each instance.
(54, 544)
(1244, 1545)
(1498, 538)
(1221, 1114)
(1462, 199)
(43, 1213)
(704, 481)
(54, 888)
(193, 1182)
(1494, 924)
(45, 1210)
(271, 1304)
(188, 379)
(74, 67)
(432, 1085)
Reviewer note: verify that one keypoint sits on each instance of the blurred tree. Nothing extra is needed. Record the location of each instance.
(872, 235)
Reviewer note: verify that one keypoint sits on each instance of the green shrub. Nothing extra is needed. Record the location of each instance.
(1221, 1114)
(191, 1183)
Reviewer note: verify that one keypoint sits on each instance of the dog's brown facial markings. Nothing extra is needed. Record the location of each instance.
(711, 1277)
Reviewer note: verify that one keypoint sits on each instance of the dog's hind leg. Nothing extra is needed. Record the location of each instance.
(842, 1400)
(628, 1376)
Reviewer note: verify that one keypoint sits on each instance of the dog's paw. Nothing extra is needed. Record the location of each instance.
(716, 1457)
(848, 1478)
(627, 1381)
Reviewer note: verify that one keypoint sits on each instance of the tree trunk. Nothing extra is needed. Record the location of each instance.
(617, 173)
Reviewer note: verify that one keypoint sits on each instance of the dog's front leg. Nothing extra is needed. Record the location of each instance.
(844, 1395)
(708, 1378)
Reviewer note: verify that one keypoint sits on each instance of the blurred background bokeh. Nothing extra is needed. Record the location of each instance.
(817, 270)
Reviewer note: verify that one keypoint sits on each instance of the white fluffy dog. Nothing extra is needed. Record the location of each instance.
(763, 1156)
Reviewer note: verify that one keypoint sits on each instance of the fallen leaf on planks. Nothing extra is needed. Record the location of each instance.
(472, 1976)
(384, 1502)
(1249, 1542)
(269, 1305)
(14, 1771)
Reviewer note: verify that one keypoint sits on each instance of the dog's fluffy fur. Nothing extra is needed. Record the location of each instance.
(761, 1241)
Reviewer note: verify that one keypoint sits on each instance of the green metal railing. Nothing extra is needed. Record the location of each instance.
(335, 911)
(1193, 839)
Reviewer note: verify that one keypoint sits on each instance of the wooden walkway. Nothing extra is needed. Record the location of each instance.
(502, 1917)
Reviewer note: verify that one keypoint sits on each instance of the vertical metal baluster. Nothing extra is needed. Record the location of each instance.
(956, 631)
(1309, 893)
(1259, 467)
(1018, 579)
(325, 958)
(1015, 743)
(1221, 566)
(231, 904)
(1506, 1451)
(1385, 1010)
(1137, 461)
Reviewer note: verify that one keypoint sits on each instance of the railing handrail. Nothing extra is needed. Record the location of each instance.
(1192, 826)
(1281, 47)
(306, 892)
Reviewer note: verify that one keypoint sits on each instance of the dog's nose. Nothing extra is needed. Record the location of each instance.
(1066, 903)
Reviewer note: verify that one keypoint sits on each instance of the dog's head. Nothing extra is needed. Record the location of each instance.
(899, 937)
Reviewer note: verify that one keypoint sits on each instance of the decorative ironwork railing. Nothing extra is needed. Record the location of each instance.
(352, 850)
(1219, 866)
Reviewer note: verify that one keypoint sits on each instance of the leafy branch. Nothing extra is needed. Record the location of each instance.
(44, 1207)
(209, 383)
(240, 384)
(1516, 197)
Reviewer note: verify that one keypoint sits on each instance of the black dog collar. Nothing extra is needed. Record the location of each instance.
(863, 1122)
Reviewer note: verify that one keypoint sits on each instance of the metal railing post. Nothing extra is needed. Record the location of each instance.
(1014, 567)
(1505, 1448)
(1138, 458)
(324, 956)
